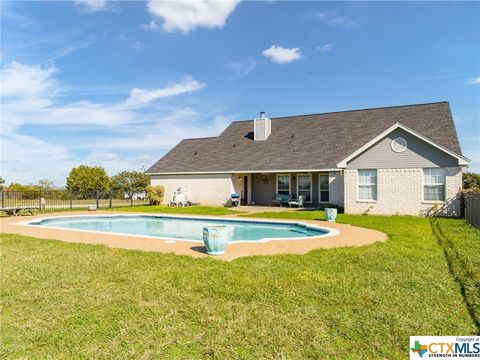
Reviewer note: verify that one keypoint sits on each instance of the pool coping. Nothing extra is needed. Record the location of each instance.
(330, 231)
(349, 236)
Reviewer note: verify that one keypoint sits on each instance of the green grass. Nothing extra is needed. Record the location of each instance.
(461, 244)
(197, 210)
(76, 301)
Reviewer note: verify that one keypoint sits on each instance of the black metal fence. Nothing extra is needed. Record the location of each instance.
(471, 201)
(55, 200)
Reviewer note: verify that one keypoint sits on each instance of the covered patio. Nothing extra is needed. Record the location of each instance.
(318, 188)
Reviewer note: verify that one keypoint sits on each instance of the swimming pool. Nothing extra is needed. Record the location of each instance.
(184, 228)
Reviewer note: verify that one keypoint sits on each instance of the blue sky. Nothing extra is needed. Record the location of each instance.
(118, 84)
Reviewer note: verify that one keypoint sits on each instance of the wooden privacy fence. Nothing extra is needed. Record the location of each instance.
(471, 203)
(54, 200)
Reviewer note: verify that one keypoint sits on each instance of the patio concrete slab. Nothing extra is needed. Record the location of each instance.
(349, 236)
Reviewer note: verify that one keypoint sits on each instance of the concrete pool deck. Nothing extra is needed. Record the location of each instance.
(349, 236)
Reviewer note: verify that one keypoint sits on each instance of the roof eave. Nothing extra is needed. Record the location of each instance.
(275, 171)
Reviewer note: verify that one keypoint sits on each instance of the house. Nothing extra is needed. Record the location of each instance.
(389, 160)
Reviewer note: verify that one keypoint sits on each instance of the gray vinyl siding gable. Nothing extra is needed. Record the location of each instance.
(418, 154)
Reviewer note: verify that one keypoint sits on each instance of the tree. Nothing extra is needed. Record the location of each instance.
(84, 180)
(129, 182)
(45, 184)
(2, 181)
(471, 181)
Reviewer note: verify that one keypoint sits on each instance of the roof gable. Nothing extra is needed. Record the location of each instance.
(462, 161)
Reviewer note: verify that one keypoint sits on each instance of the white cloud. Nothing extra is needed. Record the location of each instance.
(140, 97)
(91, 6)
(29, 95)
(474, 81)
(29, 82)
(281, 55)
(324, 48)
(240, 69)
(333, 19)
(187, 15)
(178, 125)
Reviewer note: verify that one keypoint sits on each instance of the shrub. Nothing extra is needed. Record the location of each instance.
(155, 194)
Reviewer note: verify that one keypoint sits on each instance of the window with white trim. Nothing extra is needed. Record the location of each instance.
(434, 184)
(324, 189)
(304, 186)
(283, 184)
(367, 184)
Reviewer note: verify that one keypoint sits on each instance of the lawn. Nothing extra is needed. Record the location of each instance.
(462, 250)
(198, 210)
(81, 301)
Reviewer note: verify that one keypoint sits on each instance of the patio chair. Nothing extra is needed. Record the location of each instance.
(281, 199)
(297, 202)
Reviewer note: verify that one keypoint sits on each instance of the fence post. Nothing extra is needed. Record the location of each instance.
(110, 199)
(98, 202)
(71, 201)
(40, 200)
(131, 200)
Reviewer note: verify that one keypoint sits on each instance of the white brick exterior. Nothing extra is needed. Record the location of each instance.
(400, 191)
(206, 189)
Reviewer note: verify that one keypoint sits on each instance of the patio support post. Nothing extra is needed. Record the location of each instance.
(110, 199)
(98, 194)
(3, 198)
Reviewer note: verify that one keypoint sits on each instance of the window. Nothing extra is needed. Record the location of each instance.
(324, 189)
(283, 184)
(434, 184)
(367, 185)
(304, 186)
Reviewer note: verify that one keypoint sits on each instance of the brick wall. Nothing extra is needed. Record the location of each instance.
(400, 191)
(208, 189)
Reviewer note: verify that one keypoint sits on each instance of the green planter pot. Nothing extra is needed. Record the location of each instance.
(330, 214)
(216, 239)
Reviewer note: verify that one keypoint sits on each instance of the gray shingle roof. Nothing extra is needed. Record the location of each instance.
(305, 142)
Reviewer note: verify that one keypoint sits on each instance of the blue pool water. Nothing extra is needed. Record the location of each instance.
(182, 228)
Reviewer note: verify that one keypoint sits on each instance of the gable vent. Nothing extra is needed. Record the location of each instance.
(399, 145)
(262, 127)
